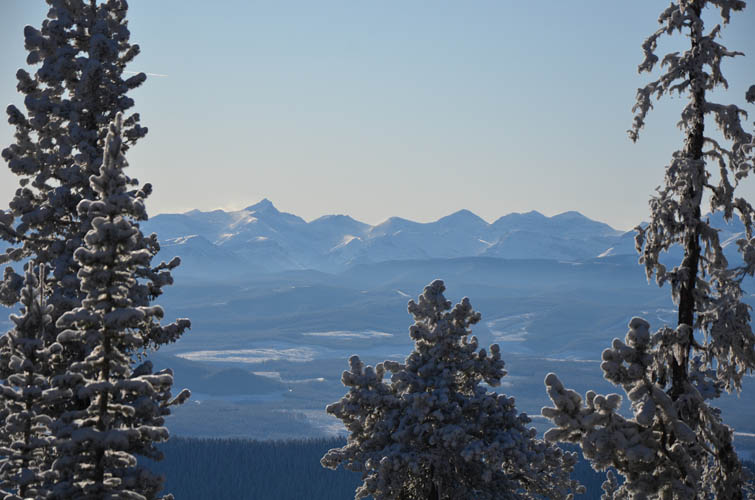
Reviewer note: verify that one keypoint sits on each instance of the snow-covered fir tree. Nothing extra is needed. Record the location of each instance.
(123, 410)
(434, 431)
(26, 439)
(675, 444)
(80, 84)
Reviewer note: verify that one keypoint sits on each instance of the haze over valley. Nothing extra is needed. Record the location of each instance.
(278, 305)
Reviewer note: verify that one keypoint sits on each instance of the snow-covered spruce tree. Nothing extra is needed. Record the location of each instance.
(675, 445)
(80, 52)
(434, 431)
(25, 431)
(123, 410)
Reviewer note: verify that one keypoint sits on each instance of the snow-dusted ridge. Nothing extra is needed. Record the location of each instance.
(262, 239)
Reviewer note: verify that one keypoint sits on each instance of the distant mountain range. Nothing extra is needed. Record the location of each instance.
(260, 239)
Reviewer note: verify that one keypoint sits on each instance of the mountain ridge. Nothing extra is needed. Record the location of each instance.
(261, 239)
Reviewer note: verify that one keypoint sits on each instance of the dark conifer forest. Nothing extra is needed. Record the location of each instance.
(241, 469)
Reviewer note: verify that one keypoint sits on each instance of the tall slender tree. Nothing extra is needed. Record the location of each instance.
(676, 445)
(434, 431)
(123, 409)
(81, 52)
(26, 429)
(79, 85)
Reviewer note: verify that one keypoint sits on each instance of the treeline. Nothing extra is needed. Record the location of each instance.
(242, 469)
(239, 469)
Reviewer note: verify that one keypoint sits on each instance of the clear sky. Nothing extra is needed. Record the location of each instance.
(407, 108)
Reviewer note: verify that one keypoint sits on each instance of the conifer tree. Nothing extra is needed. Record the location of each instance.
(25, 431)
(80, 84)
(675, 445)
(434, 431)
(122, 411)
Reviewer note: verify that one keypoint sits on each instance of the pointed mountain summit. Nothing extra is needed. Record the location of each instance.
(266, 213)
(263, 206)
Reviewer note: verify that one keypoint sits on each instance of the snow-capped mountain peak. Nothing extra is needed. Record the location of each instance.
(265, 238)
(463, 217)
(263, 206)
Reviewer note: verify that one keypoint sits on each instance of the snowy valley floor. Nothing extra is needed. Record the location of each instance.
(264, 357)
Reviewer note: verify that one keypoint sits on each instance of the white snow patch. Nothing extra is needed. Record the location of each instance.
(367, 334)
(248, 219)
(182, 240)
(277, 377)
(328, 424)
(511, 328)
(346, 241)
(572, 360)
(299, 355)
(224, 237)
(662, 315)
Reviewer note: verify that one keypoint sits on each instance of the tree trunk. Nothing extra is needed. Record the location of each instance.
(434, 490)
(693, 152)
(99, 460)
(434, 493)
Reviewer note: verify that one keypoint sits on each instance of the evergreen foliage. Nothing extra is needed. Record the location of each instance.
(80, 52)
(75, 215)
(675, 445)
(25, 432)
(122, 411)
(242, 469)
(434, 431)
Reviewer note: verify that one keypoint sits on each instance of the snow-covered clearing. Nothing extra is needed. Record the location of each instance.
(349, 335)
(277, 376)
(511, 328)
(260, 355)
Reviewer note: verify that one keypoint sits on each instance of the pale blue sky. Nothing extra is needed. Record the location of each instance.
(408, 108)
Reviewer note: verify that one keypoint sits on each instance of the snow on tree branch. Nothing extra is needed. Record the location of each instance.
(121, 410)
(675, 445)
(433, 430)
